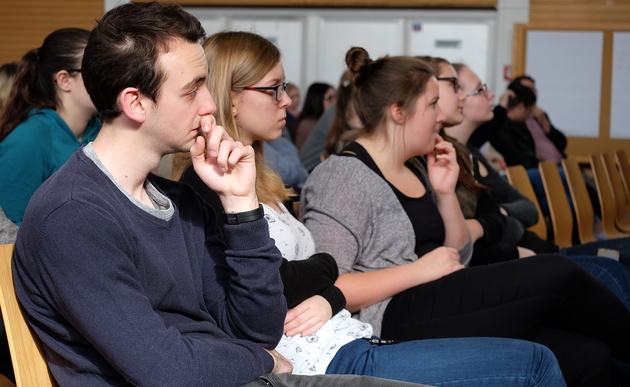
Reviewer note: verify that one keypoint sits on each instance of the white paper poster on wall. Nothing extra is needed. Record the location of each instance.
(567, 67)
(620, 93)
(285, 34)
(456, 42)
(379, 38)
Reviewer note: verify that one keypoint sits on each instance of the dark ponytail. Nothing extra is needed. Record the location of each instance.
(34, 85)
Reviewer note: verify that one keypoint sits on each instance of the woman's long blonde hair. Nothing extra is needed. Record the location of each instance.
(237, 60)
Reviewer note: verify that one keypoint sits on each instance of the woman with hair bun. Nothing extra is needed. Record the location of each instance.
(402, 246)
(47, 117)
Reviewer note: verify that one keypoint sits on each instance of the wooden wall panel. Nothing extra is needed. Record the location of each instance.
(25, 23)
(579, 11)
(553, 13)
(580, 15)
(579, 146)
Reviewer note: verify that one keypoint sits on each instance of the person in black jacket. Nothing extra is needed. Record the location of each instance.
(553, 144)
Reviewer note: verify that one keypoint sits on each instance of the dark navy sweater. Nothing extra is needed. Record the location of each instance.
(121, 297)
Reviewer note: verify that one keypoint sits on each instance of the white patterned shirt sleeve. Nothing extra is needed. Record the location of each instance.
(312, 354)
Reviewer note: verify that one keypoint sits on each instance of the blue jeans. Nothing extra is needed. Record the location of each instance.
(610, 272)
(620, 244)
(465, 362)
(291, 380)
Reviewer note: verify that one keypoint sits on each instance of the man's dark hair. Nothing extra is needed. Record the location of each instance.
(520, 78)
(522, 94)
(123, 50)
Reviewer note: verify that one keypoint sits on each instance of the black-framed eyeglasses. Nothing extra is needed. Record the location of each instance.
(278, 90)
(73, 70)
(454, 82)
(482, 90)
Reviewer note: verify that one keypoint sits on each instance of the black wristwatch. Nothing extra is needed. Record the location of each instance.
(244, 217)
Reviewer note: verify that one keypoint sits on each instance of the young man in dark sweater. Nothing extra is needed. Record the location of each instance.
(126, 277)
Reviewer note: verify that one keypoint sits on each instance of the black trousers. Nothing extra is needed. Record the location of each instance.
(548, 299)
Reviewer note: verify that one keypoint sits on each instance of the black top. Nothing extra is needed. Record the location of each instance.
(486, 131)
(516, 144)
(425, 218)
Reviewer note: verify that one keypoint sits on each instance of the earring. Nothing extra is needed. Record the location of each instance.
(233, 111)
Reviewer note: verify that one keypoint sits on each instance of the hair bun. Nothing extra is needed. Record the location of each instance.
(358, 61)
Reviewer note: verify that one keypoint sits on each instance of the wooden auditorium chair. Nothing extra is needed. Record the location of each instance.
(618, 190)
(561, 215)
(606, 198)
(517, 176)
(29, 364)
(621, 156)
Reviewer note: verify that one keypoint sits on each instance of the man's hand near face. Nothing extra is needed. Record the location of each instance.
(229, 168)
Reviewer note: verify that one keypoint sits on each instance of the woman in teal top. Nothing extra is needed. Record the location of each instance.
(48, 116)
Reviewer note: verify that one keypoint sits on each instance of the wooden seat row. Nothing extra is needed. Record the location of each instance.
(611, 172)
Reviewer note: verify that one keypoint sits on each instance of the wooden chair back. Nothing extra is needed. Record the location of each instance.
(582, 206)
(621, 156)
(27, 355)
(561, 216)
(517, 176)
(618, 190)
(606, 198)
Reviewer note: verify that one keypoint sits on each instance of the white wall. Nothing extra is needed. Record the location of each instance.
(314, 41)
(109, 4)
(508, 13)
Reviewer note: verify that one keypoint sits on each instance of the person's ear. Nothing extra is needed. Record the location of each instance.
(62, 79)
(234, 109)
(397, 113)
(133, 104)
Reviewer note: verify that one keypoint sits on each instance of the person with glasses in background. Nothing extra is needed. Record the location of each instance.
(47, 117)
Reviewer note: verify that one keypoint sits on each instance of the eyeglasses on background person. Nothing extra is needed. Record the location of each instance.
(482, 90)
(454, 82)
(278, 90)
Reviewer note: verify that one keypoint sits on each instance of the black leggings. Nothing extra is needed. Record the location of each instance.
(548, 299)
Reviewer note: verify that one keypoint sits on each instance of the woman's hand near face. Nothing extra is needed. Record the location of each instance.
(443, 169)
(307, 317)
(228, 169)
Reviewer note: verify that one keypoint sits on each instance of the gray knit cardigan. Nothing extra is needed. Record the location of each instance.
(355, 216)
